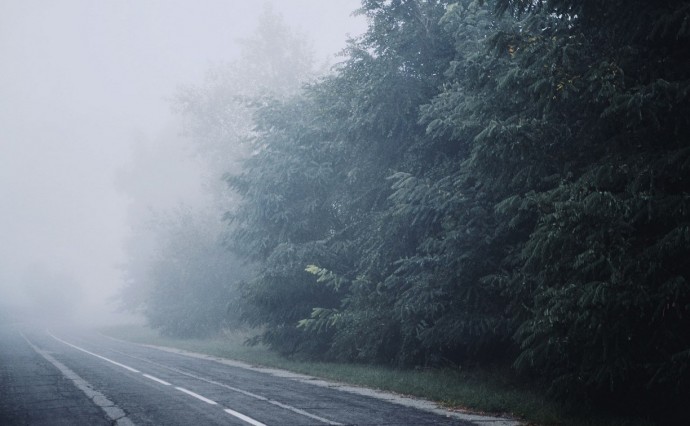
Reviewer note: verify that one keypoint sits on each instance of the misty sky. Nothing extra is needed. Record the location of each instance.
(82, 83)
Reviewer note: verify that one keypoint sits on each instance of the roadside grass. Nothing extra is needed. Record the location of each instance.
(479, 392)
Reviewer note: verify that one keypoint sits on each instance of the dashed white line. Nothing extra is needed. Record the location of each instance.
(234, 413)
(196, 395)
(249, 394)
(96, 355)
(243, 417)
(244, 392)
(234, 389)
(156, 379)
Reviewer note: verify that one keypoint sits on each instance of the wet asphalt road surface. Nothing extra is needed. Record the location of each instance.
(66, 377)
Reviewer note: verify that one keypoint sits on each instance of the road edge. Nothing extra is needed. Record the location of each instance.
(117, 415)
(407, 401)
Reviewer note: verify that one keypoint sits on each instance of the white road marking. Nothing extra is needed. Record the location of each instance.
(243, 417)
(203, 379)
(148, 376)
(96, 355)
(114, 413)
(243, 392)
(196, 395)
(163, 382)
(234, 389)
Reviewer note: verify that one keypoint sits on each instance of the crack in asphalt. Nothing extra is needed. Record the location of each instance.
(114, 413)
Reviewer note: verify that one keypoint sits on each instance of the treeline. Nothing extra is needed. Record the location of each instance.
(178, 273)
(483, 182)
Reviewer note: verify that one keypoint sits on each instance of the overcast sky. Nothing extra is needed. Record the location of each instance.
(80, 82)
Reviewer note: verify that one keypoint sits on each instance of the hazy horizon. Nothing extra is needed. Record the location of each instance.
(85, 91)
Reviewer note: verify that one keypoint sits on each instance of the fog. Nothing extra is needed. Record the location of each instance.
(88, 139)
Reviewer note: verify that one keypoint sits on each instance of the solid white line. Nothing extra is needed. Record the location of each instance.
(196, 395)
(96, 355)
(114, 413)
(243, 417)
(163, 382)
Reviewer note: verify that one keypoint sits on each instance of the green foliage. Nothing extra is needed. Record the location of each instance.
(473, 187)
(193, 283)
(180, 274)
(611, 289)
(316, 192)
(286, 221)
(601, 274)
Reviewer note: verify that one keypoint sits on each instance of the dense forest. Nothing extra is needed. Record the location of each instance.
(499, 182)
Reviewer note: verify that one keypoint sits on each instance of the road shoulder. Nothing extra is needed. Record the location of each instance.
(402, 400)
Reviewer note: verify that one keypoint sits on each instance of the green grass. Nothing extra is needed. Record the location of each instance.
(487, 392)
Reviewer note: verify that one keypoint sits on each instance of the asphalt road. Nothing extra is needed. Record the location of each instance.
(67, 377)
